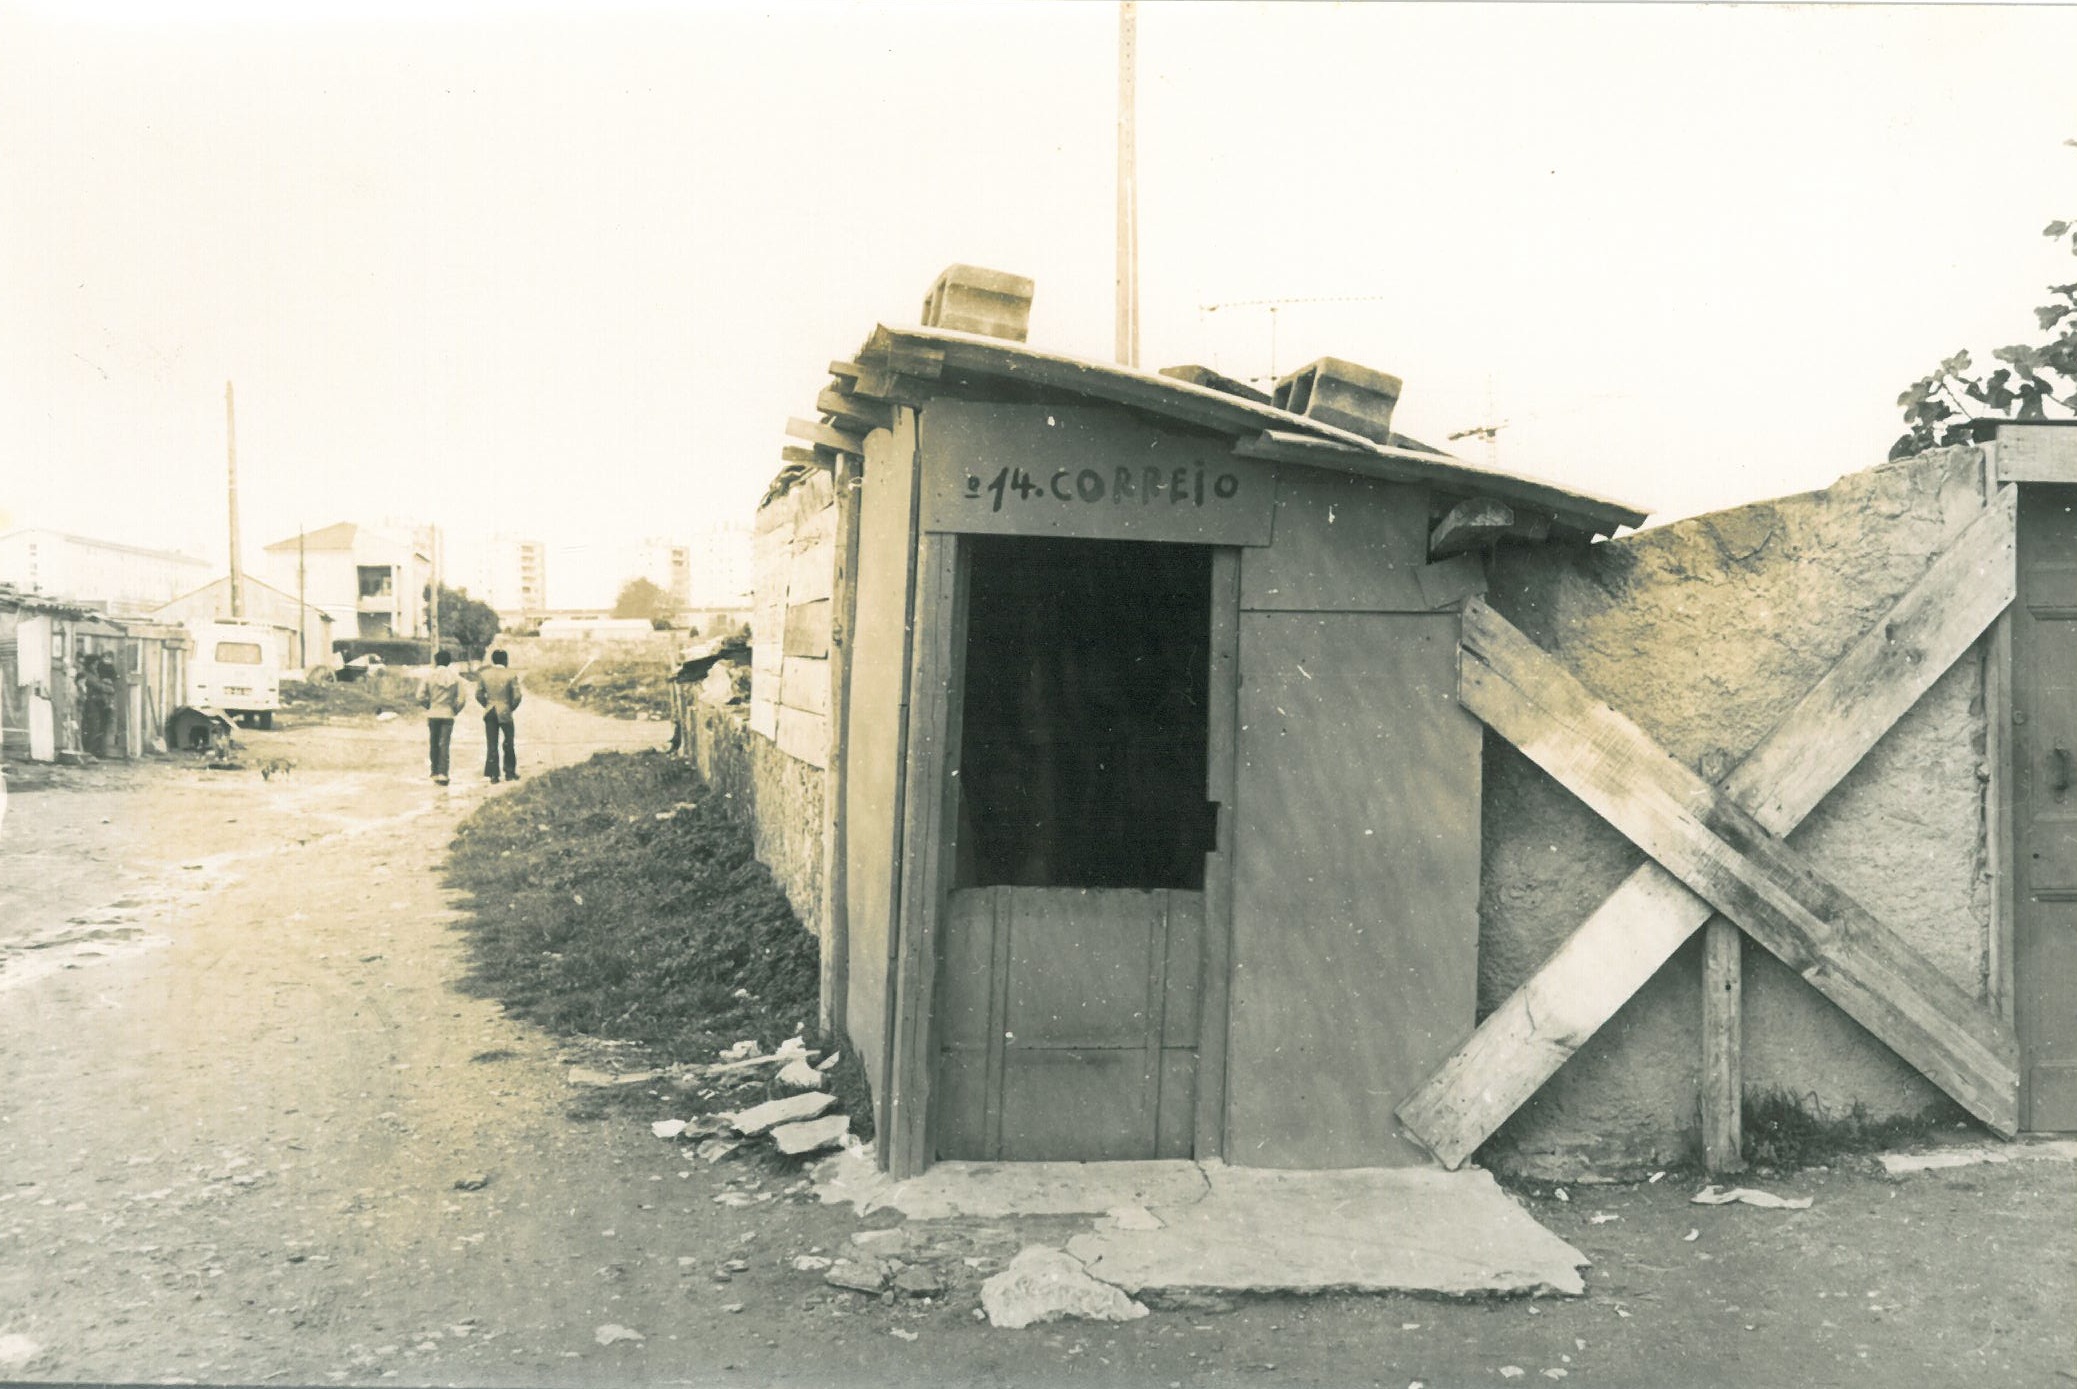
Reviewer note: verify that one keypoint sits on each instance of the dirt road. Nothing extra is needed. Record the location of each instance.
(238, 1091)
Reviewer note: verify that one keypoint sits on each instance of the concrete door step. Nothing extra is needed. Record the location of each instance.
(1250, 1230)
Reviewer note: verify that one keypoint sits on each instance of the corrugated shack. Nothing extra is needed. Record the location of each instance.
(75, 681)
(1172, 770)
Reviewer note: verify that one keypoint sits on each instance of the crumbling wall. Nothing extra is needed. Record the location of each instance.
(767, 759)
(1705, 633)
(777, 797)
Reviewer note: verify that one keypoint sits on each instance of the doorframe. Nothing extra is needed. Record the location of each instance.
(929, 839)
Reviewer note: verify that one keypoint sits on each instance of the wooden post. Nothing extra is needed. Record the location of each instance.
(843, 608)
(231, 450)
(1723, 1040)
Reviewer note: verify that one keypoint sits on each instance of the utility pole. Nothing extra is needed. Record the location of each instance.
(1128, 186)
(237, 565)
(433, 622)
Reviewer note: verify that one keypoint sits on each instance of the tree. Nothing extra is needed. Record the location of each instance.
(643, 599)
(466, 625)
(2033, 375)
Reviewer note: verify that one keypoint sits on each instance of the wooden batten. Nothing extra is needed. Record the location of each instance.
(1524, 1041)
(852, 412)
(827, 436)
(1723, 1045)
(1721, 853)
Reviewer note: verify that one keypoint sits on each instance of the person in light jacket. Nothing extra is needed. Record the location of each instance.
(497, 690)
(443, 701)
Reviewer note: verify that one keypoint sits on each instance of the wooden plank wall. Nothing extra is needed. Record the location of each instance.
(794, 554)
(879, 661)
(1356, 846)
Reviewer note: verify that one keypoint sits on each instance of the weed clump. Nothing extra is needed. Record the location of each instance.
(1788, 1131)
(617, 900)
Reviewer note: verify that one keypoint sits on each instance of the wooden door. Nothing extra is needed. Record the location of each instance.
(2044, 783)
(1068, 1024)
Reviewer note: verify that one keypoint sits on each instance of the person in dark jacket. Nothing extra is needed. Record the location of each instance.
(497, 690)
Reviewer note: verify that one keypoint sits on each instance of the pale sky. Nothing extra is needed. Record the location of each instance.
(564, 270)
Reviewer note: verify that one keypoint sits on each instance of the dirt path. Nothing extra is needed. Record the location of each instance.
(237, 1092)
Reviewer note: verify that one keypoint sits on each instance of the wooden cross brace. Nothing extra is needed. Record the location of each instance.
(1719, 849)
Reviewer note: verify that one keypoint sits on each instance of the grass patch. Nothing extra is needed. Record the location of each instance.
(1789, 1131)
(592, 917)
(622, 685)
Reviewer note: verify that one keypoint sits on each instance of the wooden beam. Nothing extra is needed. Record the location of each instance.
(2045, 452)
(835, 975)
(1222, 716)
(1725, 856)
(854, 412)
(1524, 1041)
(826, 436)
(1723, 1040)
(1468, 525)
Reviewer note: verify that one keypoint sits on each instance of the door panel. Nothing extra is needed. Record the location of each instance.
(1356, 875)
(1065, 1031)
(2044, 750)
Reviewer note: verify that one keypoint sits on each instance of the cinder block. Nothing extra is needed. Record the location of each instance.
(973, 299)
(1342, 394)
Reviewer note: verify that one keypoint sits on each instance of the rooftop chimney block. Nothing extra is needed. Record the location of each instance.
(1342, 394)
(973, 299)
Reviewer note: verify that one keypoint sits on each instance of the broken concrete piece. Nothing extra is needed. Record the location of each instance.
(988, 1190)
(917, 1281)
(892, 1241)
(810, 1263)
(828, 1062)
(1043, 1285)
(472, 1183)
(609, 1333)
(742, 1051)
(799, 1075)
(1133, 1218)
(667, 1128)
(812, 1136)
(863, 1275)
(1750, 1196)
(1258, 1230)
(584, 1075)
(793, 1108)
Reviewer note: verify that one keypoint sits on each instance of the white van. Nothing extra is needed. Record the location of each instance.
(233, 670)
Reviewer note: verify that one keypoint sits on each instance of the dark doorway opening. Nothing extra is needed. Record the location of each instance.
(1083, 742)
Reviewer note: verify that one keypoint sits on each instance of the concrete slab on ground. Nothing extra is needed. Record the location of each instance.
(1386, 1229)
(1227, 1229)
(995, 1190)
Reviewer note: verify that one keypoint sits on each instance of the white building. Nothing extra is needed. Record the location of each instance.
(372, 582)
(128, 580)
(509, 573)
(668, 565)
(721, 566)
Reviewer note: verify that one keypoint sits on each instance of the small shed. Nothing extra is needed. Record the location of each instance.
(1212, 773)
(1156, 815)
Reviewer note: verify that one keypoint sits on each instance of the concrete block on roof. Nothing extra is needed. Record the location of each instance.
(974, 299)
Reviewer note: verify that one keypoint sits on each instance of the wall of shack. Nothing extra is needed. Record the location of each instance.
(1705, 633)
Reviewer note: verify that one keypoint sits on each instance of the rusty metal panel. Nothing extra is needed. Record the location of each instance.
(2044, 786)
(1355, 911)
(1343, 544)
(879, 656)
(1088, 472)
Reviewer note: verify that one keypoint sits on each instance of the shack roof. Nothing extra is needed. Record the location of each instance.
(910, 365)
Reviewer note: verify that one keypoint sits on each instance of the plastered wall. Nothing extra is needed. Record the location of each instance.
(1705, 633)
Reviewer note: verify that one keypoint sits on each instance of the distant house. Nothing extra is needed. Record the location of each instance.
(370, 582)
(126, 580)
(302, 631)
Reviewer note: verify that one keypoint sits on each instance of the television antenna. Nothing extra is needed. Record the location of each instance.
(1274, 306)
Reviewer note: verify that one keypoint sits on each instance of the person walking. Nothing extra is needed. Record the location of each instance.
(497, 690)
(443, 701)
